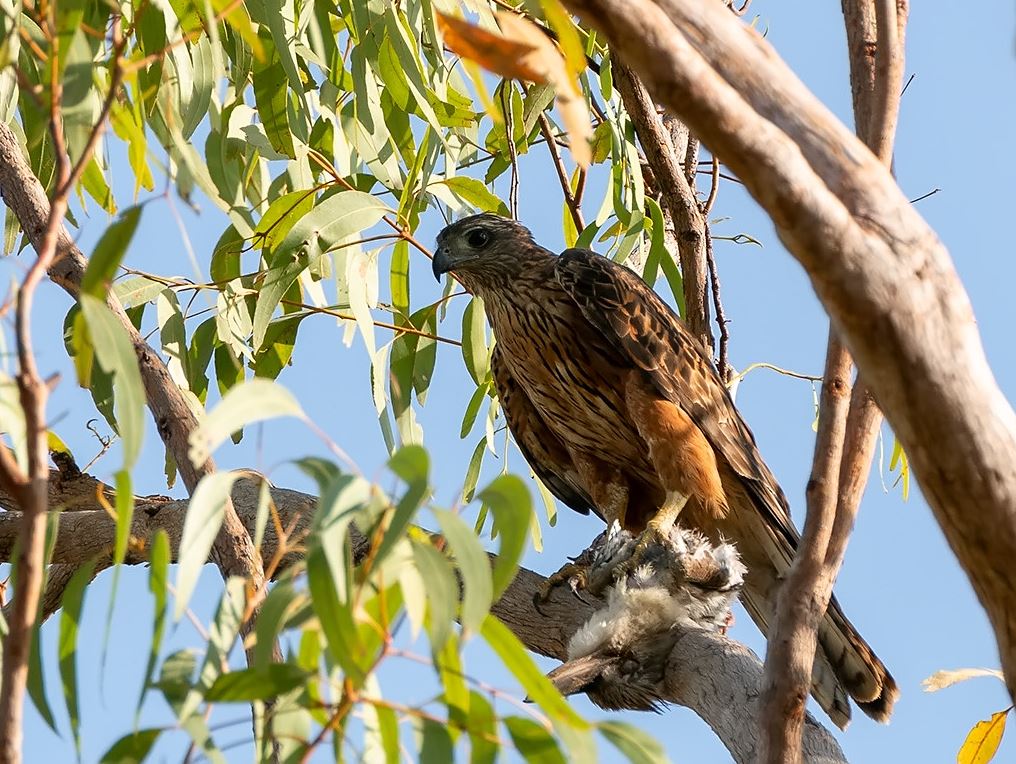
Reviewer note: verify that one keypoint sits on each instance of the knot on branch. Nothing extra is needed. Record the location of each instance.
(619, 656)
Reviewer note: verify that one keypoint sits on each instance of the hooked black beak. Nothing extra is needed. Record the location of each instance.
(442, 262)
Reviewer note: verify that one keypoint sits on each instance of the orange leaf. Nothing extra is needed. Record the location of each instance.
(523, 52)
(493, 52)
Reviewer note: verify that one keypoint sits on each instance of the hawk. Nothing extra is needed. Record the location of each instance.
(619, 411)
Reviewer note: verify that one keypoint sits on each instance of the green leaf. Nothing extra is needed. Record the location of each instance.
(472, 409)
(173, 337)
(94, 182)
(271, 95)
(132, 748)
(412, 465)
(512, 505)
(435, 743)
(340, 502)
(221, 639)
(124, 502)
(399, 276)
(109, 253)
(36, 684)
(334, 616)
(176, 676)
(473, 564)
(68, 16)
(238, 18)
(482, 727)
(200, 527)
(983, 740)
(534, 741)
(115, 355)
(67, 649)
(475, 352)
(476, 195)
(262, 683)
(334, 220)
(276, 610)
(253, 401)
(137, 290)
(158, 580)
(280, 217)
(515, 658)
(636, 744)
(473, 470)
(381, 733)
(442, 591)
(448, 662)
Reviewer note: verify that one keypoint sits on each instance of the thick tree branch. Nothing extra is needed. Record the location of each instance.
(848, 430)
(715, 677)
(804, 595)
(677, 194)
(884, 277)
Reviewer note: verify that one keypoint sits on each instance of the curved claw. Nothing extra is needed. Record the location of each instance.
(573, 584)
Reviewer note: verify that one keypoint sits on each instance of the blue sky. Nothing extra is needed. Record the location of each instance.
(900, 585)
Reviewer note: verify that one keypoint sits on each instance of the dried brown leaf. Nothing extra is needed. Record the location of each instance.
(946, 678)
(523, 52)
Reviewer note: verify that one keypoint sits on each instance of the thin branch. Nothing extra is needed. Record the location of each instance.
(562, 173)
(722, 361)
(805, 592)
(33, 488)
(513, 155)
(677, 197)
(840, 469)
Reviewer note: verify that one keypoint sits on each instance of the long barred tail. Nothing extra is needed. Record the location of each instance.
(845, 668)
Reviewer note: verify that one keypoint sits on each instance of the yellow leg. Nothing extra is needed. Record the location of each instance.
(657, 531)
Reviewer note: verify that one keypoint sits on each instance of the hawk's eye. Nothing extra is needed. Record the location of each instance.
(478, 238)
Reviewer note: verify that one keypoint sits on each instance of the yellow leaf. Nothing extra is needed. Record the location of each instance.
(982, 741)
(567, 34)
(946, 678)
(524, 52)
(56, 444)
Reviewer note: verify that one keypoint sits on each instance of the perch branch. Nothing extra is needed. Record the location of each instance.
(713, 676)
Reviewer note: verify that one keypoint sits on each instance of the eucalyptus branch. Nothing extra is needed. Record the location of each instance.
(570, 199)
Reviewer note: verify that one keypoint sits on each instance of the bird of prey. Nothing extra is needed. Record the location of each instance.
(619, 656)
(619, 411)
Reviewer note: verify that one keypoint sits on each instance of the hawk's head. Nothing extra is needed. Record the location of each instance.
(482, 249)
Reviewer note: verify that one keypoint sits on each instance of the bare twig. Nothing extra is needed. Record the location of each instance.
(32, 488)
(513, 156)
(722, 360)
(562, 174)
